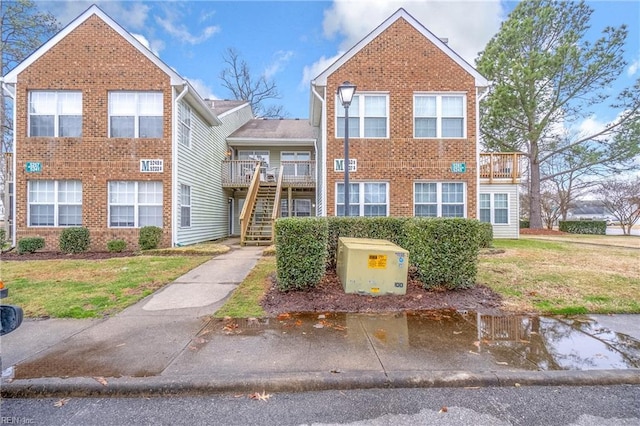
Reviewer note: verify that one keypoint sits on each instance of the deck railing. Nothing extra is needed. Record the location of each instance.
(238, 173)
(500, 166)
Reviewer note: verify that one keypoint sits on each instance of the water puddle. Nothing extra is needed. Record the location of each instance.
(517, 341)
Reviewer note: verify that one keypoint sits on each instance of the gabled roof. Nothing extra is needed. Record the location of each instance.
(175, 78)
(480, 80)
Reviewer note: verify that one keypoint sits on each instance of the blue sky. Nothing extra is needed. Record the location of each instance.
(293, 41)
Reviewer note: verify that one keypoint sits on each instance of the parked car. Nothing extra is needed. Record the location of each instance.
(10, 315)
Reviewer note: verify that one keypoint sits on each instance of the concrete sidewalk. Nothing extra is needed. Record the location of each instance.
(168, 344)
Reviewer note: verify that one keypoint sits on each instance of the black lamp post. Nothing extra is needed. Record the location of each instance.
(345, 92)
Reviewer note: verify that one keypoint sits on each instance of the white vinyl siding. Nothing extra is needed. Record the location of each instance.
(365, 199)
(440, 199)
(135, 204)
(439, 116)
(368, 116)
(55, 114)
(497, 201)
(135, 114)
(55, 203)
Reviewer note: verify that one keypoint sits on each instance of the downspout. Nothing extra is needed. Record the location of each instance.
(6, 89)
(174, 168)
(322, 166)
(479, 97)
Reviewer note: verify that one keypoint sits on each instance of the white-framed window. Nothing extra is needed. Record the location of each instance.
(365, 199)
(55, 113)
(494, 208)
(295, 169)
(439, 199)
(368, 116)
(135, 204)
(439, 115)
(185, 125)
(185, 206)
(55, 203)
(300, 207)
(135, 114)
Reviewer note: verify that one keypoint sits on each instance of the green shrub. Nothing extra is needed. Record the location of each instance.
(74, 240)
(150, 237)
(383, 228)
(524, 223)
(301, 252)
(30, 244)
(485, 235)
(593, 227)
(116, 246)
(3, 238)
(445, 251)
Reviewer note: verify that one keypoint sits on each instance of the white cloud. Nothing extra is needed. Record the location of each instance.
(182, 33)
(467, 24)
(312, 71)
(202, 88)
(155, 46)
(633, 67)
(281, 58)
(131, 15)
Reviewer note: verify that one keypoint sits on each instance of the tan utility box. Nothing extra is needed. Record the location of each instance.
(374, 267)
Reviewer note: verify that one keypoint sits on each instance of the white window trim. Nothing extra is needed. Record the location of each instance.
(340, 114)
(56, 115)
(296, 165)
(136, 205)
(439, 117)
(137, 114)
(294, 210)
(361, 196)
(439, 203)
(493, 207)
(186, 113)
(182, 188)
(56, 205)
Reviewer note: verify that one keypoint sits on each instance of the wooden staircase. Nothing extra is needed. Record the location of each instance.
(260, 228)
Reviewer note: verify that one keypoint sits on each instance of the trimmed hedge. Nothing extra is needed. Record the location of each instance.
(301, 252)
(445, 251)
(3, 238)
(593, 227)
(74, 240)
(486, 235)
(524, 224)
(116, 246)
(150, 237)
(30, 244)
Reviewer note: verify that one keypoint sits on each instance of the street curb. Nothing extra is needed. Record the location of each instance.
(302, 382)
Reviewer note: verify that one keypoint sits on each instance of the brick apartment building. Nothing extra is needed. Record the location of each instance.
(109, 137)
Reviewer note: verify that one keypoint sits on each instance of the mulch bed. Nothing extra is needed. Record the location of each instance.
(329, 296)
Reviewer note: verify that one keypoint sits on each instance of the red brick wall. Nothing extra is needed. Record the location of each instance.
(402, 61)
(93, 59)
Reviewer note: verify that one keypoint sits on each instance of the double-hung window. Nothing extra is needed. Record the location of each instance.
(439, 115)
(300, 207)
(55, 114)
(185, 125)
(439, 199)
(135, 204)
(365, 199)
(185, 206)
(55, 203)
(494, 208)
(368, 116)
(135, 114)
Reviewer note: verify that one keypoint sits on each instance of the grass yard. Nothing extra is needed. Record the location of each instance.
(572, 276)
(89, 288)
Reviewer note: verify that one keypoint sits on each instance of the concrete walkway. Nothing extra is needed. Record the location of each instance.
(168, 344)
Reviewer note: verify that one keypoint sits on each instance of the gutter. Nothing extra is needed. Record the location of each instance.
(174, 165)
(5, 88)
(321, 207)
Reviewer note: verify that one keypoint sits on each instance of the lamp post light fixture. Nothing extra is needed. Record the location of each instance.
(345, 92)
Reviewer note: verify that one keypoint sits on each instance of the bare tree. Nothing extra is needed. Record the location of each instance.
(237, 78)
(622, 200)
